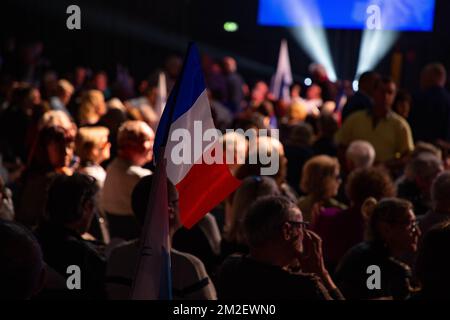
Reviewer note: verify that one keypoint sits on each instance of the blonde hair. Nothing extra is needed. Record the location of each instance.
(251, 189)
(92, 107)
(55, 118)
(89, 138)
(65, 86)
(297, 112)
(115, 103)
(133, 132)
(315, 172)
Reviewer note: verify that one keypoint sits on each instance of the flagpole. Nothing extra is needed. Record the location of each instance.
(150, 213)
(160, 166)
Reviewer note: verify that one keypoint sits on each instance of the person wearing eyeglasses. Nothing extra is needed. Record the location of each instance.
(393, 232)
(278, 240)
(320, 181)
(340, 230)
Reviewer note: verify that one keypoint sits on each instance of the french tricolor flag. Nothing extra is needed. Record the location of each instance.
(201, 186)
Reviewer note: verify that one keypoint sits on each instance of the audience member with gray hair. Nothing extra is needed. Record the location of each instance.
(359, 154)
(440, 197)
(277, 238)
(415, 186)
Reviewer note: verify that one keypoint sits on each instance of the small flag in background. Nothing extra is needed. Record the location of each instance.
(282, 80)
(200, 186)
(161, 98)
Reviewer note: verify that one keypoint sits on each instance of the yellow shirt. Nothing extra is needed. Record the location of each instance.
(391, 137)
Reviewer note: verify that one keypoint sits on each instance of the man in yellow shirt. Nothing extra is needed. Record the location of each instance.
(389, 133)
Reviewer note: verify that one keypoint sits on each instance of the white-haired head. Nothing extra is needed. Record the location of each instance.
(360, 154)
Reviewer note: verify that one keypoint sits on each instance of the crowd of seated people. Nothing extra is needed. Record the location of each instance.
(359, 183)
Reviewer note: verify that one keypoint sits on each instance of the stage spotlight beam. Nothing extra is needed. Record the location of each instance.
(374, 46)
(311, 37)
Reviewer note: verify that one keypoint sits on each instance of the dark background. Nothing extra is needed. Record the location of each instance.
(141, 33)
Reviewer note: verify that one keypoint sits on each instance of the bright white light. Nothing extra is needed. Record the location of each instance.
(308, 81)
(355, 85)
(374, 46)
(314, 42)
(312, 39)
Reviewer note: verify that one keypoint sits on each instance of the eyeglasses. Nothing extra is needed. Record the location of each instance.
(412, 225)
(299, 224)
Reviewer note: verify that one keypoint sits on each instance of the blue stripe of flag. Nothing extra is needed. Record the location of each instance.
(188, 88)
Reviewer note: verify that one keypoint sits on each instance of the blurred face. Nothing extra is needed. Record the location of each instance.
(229, 65)
(332, 184)
(384, 97)
(35, 97)
(295, 92)
(104, 151)
(59, 154)
(293, 232)
(403, 108)
(66, 97)
(80, 75)
(259, 92)
(146, 149)
(403, 235)
(173, 206)
(314, 92)
(101, 107)
(101, 82)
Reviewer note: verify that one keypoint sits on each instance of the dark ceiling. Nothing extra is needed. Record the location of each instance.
(140, 33)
